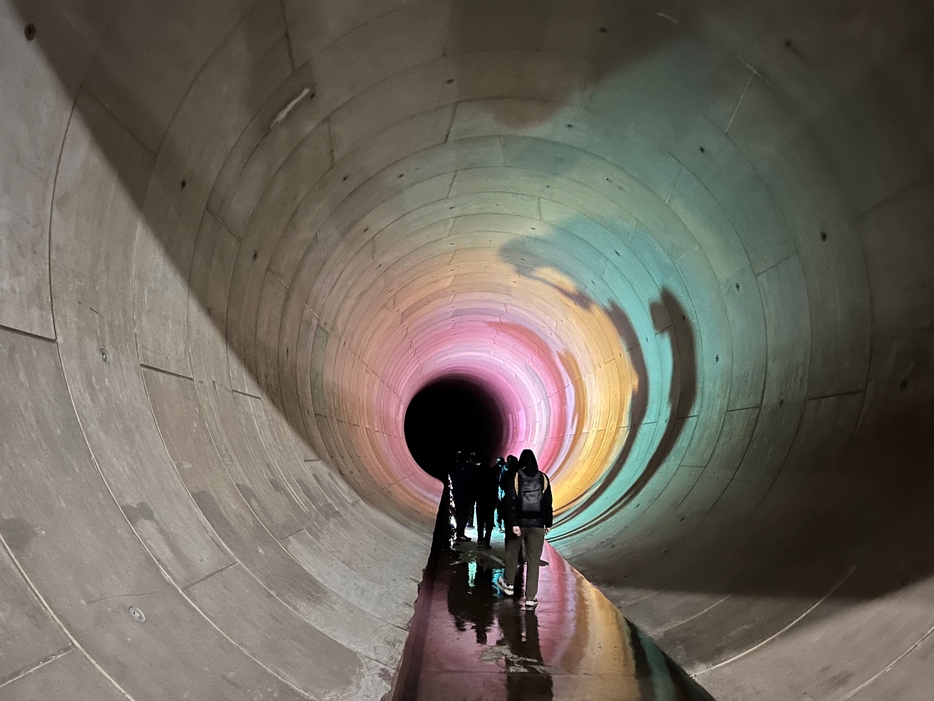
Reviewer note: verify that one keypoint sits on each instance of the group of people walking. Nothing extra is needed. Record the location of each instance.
(520, 494)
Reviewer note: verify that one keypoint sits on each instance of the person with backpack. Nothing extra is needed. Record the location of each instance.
(511, 465)
(507, 472)
(529, 516)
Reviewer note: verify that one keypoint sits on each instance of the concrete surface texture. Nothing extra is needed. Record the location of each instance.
(687, 246)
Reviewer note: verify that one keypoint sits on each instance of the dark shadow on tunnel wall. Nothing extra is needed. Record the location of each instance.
(671, 320)
(609, 57)
(682, 392)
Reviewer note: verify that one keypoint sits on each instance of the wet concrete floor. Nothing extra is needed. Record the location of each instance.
(468, 641)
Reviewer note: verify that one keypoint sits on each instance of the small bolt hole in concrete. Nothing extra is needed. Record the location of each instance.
(103, 355)
(30, 31)
(137, 614)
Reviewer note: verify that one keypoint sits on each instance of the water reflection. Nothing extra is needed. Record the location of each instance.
(469, 642)
(471, 596)
(526, 673)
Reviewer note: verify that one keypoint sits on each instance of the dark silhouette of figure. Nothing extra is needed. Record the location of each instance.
(462, 491)
(474, 462)
(500, 467)
(510, 466)
(486, 483)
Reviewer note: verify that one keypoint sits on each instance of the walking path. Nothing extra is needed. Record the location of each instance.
(470, 642)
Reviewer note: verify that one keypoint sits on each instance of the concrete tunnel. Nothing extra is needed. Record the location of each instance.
(685, 249)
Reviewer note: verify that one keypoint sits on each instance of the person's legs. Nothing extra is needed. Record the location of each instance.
(484, 523)
(534, 544)
(460, 516)
(490, 522)
(512, 559)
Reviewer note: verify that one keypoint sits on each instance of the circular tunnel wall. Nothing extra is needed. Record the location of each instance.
(685, 249)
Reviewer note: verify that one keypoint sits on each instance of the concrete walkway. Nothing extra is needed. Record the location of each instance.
(468, 641)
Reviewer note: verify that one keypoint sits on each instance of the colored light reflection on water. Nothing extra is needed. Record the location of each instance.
(469, 641)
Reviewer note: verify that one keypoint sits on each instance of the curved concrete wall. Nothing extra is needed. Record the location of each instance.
(690, 249)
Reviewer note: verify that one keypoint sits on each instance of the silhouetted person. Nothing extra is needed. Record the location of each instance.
(474, 462)
(529, 515)
(510, 466)
(461, 488)
(486, 490)
(500, 467)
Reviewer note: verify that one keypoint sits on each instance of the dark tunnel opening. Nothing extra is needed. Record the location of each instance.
(452, 414)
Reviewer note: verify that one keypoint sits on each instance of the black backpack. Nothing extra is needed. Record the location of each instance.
(529, 491)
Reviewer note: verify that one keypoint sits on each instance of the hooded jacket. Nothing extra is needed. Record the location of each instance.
(514, 516)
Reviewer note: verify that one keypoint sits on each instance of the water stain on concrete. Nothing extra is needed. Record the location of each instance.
(275, 484)
(18, 533)
(247, 493)
(141, 512)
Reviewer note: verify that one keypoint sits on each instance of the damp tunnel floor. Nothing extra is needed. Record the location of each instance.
(468, 641)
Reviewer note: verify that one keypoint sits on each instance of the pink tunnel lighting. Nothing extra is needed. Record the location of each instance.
(555, 366)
